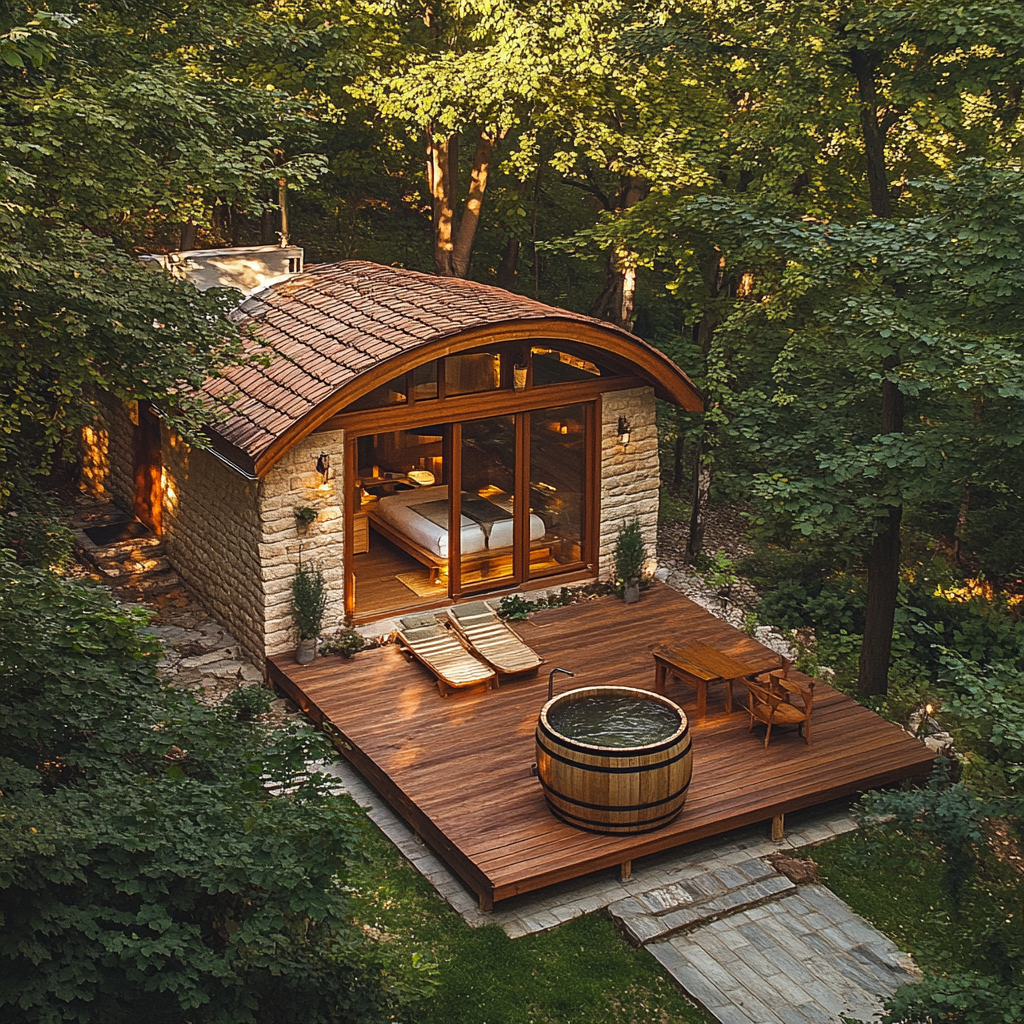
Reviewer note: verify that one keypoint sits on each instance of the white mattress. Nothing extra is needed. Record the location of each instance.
(395, 510)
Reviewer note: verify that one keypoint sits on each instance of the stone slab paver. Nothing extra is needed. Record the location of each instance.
(788, 970)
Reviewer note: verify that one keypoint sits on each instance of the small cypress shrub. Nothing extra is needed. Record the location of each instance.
(309, 600)
(630, 554)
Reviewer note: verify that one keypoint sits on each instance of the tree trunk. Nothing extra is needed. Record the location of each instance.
(268, 236)
(961, 524)
(444, 193)
(508, 269)
(617, 298)
(678, 454)
(454, 234)
(965, 500)
(703, 465)
(703, 471)
(883, 583)
(189, 234)
(874, 134)
(470, 219)
(883, 562)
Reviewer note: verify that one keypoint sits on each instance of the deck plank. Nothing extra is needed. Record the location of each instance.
(458, 768)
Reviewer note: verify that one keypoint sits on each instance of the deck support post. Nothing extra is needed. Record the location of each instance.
(778, 828)
(625, 870)
(486, 903)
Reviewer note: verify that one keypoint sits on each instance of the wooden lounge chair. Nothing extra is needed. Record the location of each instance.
(424, 638)
(493, 640)
(780, 701)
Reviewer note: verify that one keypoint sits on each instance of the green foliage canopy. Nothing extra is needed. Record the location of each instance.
(145, 871)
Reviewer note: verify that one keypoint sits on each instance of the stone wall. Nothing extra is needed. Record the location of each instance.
(630, 474)
(294, 482)
(212, 534)
(108, 452)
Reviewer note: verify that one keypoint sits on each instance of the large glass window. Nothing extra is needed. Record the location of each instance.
(552, 366)
(472, 372)
(558, 459)
(488, 500)
(394, 392)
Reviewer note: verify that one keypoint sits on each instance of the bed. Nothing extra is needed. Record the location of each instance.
(417, 522)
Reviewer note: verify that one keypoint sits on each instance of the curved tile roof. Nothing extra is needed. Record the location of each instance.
(321, 329)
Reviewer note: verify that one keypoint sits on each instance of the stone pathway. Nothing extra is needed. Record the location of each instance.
(200, 654)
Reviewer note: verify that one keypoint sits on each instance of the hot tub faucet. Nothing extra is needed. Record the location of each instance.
(551, 679)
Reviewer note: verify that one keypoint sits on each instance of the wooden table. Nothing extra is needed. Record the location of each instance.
(699, 664)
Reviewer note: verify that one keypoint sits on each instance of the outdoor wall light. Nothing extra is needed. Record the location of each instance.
(624, 430)
(323, 465)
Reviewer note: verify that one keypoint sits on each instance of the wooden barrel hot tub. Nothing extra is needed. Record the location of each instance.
(614, 788)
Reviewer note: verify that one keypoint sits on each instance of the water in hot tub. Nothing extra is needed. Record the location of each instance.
(614, 720)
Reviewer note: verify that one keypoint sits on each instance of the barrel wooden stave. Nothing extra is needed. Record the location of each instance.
(609, 789)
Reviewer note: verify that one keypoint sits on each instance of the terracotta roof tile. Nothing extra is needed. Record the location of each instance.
(324, 327)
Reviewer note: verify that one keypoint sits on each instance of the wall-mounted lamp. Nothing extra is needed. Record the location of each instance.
(624, 430)
(323, 465)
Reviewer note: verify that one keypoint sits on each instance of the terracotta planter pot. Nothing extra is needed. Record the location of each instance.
(305, 652)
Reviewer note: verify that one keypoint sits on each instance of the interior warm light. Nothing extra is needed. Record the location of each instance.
(563, 428)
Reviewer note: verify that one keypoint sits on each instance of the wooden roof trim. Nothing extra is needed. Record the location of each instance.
(668, 380)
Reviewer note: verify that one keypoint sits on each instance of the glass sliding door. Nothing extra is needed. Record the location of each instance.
(558, 477)
(489, 475)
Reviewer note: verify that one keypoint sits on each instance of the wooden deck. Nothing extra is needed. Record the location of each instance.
(458, 769)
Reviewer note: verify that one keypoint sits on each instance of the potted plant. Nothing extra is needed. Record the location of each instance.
(630, 557)
(309, 602)
(304, 515)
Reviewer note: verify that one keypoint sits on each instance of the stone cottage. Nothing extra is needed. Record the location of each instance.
(424, 440)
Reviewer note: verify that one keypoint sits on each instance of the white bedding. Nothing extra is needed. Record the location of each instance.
(395, 510)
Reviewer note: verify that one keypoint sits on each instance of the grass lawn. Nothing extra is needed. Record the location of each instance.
(898, 885)
(581, 972)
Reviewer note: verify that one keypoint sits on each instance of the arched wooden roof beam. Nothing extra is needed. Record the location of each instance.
(645, 361)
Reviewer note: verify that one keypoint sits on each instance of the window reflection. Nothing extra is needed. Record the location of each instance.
(558, 455)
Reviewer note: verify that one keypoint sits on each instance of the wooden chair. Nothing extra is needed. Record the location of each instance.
(424, 638)
(493, 640)
(780, 701)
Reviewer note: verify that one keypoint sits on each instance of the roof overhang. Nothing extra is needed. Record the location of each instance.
(646, 362)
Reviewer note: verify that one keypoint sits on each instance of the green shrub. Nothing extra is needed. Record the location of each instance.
(630, 554)
(309, 600)
(346, 642)
(32, 525)
(515, 607)
(145, 871)
(249, 702)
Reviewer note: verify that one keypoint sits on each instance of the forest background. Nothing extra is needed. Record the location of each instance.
(815, 206)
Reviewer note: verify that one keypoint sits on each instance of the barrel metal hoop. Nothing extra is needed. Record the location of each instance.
(595, 826)
(608, 769)
(615, 807)
(584, 748)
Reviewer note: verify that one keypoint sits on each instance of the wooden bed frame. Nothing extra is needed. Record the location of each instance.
(435, 563)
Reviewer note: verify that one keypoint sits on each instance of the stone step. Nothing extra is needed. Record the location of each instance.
(704, 897)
